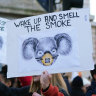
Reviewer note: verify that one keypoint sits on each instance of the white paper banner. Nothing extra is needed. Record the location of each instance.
(3, 38)
(58, 42)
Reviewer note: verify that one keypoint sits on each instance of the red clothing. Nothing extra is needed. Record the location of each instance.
(25, 81)
(52, 91)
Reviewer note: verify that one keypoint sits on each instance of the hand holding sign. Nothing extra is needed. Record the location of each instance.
(45, 79)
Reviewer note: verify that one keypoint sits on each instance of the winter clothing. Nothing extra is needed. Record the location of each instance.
(25, 81)
(92, 89)
(52, 91)
(6, 91)
(24, 91)
(77, 92)
(67, 84)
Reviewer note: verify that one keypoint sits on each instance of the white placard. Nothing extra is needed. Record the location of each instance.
(58, 42)
(3, 38)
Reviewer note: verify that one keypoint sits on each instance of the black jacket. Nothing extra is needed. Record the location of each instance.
(24, 91)
(92, 89)
(77, 92)
(6, 91)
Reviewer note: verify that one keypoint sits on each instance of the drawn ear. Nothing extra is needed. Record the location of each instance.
(64, 43)
(28, 48)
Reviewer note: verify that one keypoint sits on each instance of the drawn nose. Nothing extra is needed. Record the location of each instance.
(47, 59)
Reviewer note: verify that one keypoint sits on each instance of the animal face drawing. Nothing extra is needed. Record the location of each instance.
(1, 42)
(46, 50)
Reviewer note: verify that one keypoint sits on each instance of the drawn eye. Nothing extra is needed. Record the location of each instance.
(40, 53)
(53, 51)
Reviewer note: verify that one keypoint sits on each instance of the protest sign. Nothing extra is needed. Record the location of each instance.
(3, 38)
(58, 42)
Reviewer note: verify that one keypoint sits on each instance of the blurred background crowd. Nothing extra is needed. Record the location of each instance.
(74, 84)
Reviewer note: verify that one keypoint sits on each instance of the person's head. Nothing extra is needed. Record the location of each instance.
(3, 77)
(56, 80)
(77, 82)
(93, 73)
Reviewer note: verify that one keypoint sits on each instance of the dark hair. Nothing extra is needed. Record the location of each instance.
(77, 82)
(93, 72)
(4, 75)
(4, 71)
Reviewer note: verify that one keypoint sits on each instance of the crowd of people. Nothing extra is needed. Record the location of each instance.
(46, 85)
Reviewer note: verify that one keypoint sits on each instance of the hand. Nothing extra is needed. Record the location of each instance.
(35, 94)
(45, 79)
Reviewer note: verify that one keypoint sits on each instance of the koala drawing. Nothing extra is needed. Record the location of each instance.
(1, 42)
(47, 49)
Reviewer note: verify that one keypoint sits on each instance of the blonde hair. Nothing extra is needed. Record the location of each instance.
(56, 80)
(69, 75)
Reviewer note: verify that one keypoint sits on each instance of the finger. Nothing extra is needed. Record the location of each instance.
(50, 76)
(46, 72)
(35, 94)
